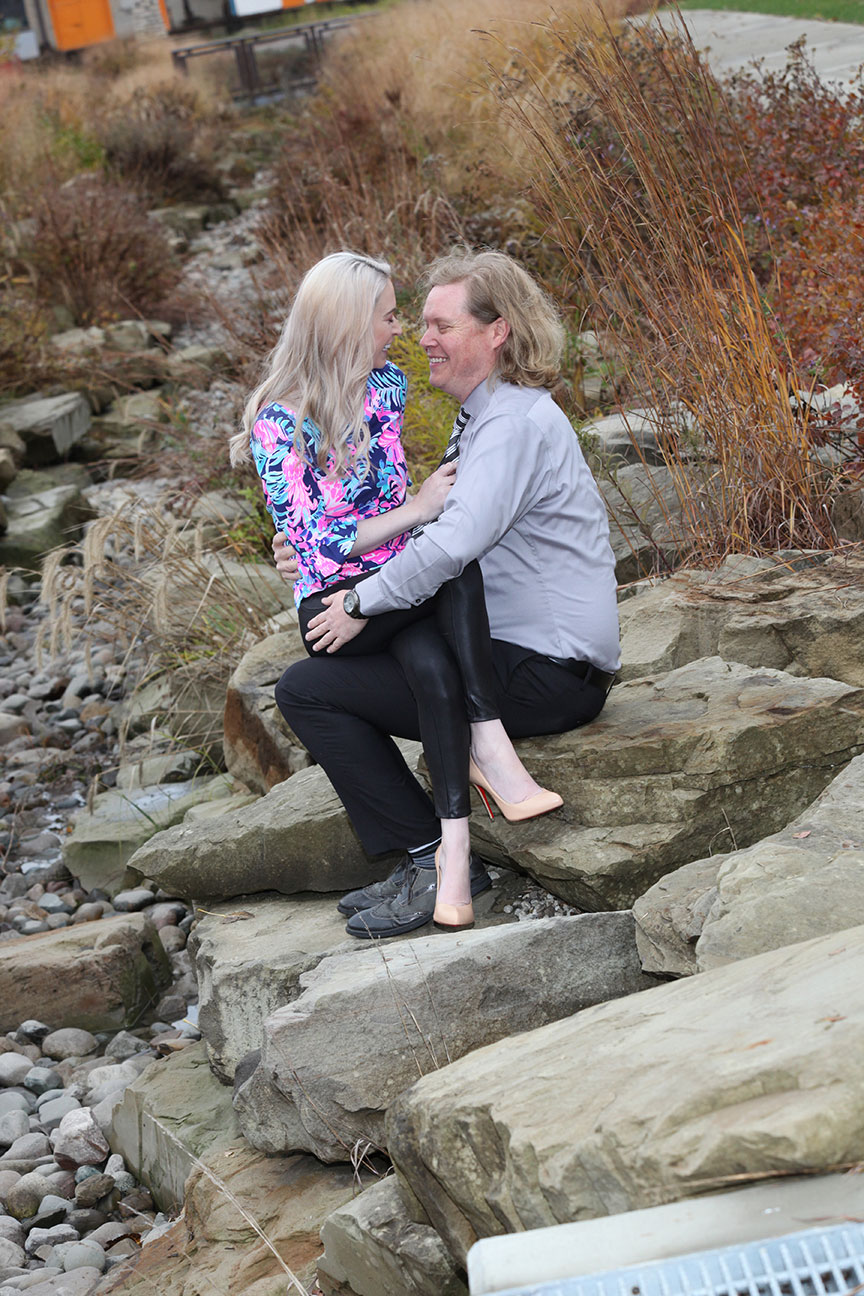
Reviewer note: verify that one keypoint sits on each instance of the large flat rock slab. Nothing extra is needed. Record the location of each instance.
(49, 426)
(260, 748)
(249, 967)
(367, 1025)
(801, 613)
(175, 1126)
(173, 1114)
(37, 523)
(99, 975)
(750, 1069)
(678, 765)
(297, 838)
(803, 882)
(106, 837)
(733, 42)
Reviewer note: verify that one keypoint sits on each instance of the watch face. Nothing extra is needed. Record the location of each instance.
(351, 603)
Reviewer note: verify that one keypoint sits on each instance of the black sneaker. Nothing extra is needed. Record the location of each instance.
(413, 906)
(370, 896)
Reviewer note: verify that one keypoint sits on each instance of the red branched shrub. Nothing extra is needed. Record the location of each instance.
(802, 146)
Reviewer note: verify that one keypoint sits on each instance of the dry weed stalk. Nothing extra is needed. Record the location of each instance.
(293, 1281)
(633, 179)
(142, 578)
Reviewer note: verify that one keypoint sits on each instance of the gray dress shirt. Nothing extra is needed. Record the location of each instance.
(526, 505)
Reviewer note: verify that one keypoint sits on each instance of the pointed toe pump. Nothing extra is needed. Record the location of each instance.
(514, 811)
(451, 917)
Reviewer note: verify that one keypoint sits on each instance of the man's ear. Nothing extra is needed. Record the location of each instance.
(500, 332)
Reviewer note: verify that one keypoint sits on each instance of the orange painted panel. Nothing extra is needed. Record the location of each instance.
(295, 4)
(80, 22)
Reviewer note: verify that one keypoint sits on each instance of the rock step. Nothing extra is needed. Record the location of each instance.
(678, 765)
(793, 886)
(752, 1068)
(367, 1024)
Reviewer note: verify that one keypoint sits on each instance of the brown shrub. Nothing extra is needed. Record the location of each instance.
(155, 143)
(91, 246)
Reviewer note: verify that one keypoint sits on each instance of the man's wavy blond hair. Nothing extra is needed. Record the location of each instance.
(498, 288)
(320, 366)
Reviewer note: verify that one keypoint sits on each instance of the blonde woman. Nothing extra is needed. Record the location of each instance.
(324, 429)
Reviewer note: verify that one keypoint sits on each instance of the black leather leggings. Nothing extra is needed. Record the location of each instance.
(451, 689)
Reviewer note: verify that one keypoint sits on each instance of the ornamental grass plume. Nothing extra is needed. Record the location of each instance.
(633, 177)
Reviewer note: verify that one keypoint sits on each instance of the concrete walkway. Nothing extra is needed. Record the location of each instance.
(730, 40)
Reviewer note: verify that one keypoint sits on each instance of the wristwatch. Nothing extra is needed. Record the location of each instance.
(351, 605)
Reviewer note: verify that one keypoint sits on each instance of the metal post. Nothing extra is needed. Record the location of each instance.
(247, 67)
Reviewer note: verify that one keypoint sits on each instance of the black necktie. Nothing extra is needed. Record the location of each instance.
(451, 452)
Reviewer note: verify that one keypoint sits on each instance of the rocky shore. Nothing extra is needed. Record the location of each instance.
(204, 1083)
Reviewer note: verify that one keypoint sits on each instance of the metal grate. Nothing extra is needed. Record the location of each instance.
(815, 1262)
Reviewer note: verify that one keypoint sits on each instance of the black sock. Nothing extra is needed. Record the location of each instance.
(424, 856)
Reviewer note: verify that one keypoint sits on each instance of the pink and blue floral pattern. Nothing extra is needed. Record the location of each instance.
(318, 513)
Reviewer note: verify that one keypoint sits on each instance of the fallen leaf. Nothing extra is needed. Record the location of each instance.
(759, 1043)
(802, 834)
(838, 1017)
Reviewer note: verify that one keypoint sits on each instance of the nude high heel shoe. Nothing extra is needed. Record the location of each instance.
(451, 917)
(514, 811)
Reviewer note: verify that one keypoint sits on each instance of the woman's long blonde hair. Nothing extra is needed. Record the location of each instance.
(320, 365)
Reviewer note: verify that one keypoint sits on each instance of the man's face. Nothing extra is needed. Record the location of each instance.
(462, 351)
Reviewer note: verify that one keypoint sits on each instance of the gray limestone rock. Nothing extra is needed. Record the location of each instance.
(371, 1245)
(105, 839)
(41, 522)
(801, 613)
(166, 1118)
(48, 426)
(806, 880)
(250, 967)
(753, 1068)
(297, 838)
(676, 766)
(415, 1008)
(643, 506)
(260, 749)
(630, 437)
(99, 976)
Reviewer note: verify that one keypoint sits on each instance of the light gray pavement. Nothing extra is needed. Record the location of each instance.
(730, 40)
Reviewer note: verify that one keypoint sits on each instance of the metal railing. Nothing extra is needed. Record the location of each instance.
(308, 35)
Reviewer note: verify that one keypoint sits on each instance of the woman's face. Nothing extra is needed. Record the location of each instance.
(385, 325)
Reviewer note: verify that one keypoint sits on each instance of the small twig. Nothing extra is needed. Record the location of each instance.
(294, 1281)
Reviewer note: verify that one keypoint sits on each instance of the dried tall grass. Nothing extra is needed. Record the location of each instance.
(633, 179)
(144, 578)
(402, 151)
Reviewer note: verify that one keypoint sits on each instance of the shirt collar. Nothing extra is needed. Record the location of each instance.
(480, 397)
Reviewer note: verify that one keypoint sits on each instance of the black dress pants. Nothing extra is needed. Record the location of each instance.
(453, 681)
(345, 710)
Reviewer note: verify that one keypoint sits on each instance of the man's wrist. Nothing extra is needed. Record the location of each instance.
(351, 605)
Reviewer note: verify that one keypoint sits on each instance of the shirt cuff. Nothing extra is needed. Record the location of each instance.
(369, 592)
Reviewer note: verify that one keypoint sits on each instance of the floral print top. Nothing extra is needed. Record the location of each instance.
(319, 514)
